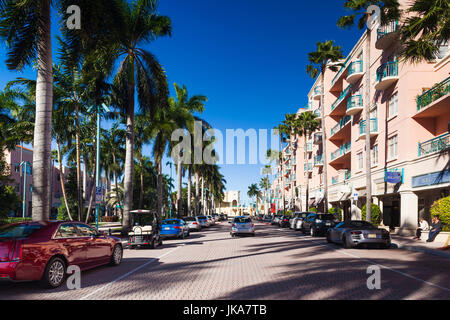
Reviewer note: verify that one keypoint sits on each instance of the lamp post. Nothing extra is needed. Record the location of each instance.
(98, 109)
(24, 165)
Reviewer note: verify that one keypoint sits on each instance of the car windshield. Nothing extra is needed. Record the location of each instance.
(361, 224)
(242, 220)
(189, 219)
(325, 216)
(19, 230)
(202, 217)
(141, 219)
(171, 222)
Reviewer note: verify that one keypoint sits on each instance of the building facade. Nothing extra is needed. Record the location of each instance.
(409, 134)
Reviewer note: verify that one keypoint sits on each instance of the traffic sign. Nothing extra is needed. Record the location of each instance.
(98, 194)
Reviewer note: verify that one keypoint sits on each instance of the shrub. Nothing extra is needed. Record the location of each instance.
(376, 214)
(313, 209)
(441, 208)
(337, 212)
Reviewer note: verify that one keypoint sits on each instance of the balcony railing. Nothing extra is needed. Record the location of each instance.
(387, 29)
(317, 138)
(318, 160)
(317, 113)
(334, 180)
(341, 71)
(355, 67)
(355, 102)
(373, 126)
(341, 97)
(346, 148)
(309, 147)
(308, 167)
(318, 90)
(341, 124)
(389, 69)
(433, 94)
(434, 145)
(348, 175)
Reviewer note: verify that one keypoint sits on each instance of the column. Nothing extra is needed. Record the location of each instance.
(409, 207)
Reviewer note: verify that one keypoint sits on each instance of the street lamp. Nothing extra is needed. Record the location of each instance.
(98, 191)
(24, 164)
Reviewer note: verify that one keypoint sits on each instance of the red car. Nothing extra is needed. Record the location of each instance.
(42, 251)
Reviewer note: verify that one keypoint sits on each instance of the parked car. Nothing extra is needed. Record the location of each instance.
(267, 218)
(296, 221)
(276, 219)
(356, 233)
(283, 222)
(215, 216)
(145, 230)
(223, 217)
(211, 220)
(192, 223)
(242, 225)
(171, 228)
(42, 251)
(204, 222)
(318, 223)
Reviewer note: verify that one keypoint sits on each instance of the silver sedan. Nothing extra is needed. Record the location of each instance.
(242, 225)
(356, 233)
(193, 223)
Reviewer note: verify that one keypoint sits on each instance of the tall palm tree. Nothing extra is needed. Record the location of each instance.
(26, 27)
(142, 137)
(326, 57)
(139, 72)
(264, 185)
(253, 191)
(304, 125)
(284, 131)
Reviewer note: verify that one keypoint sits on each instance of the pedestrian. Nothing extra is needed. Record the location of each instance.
(423, 226)
(436, 227)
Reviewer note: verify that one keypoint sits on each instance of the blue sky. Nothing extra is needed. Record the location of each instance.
(247, 56)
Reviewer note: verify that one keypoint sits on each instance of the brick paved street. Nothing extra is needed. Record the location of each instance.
(275, 264)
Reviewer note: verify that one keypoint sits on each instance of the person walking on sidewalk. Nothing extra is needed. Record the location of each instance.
(423, 226)
(436, 227)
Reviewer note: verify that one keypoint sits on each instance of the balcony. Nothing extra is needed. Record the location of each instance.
(318, 114)
(308, 167)
(387, 75)
(435, 101)
(318, 161)
(335, 180)
(386, 35)
(373, 128)
(434, 145)
(341, 98)
(342, 123)
(336, 84)
(343, 150)
(354, 105)
(317, 92)
(309, 147)
(317, 138)
(355, 71)
(348, 175)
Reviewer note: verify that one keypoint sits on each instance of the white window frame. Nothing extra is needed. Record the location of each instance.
(392, 147)
(393, 101)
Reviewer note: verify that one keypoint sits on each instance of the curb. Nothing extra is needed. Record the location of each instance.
(435, 252)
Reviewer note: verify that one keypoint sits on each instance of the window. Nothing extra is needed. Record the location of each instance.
(443, 51)
(85, 230)
(66, 231)
(374, 155)
(19, 230)
(392, 147)
(16, 167)
(393, 105)
(360, 160)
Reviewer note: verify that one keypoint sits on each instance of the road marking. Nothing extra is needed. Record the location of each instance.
(389, 268)
(129, 273)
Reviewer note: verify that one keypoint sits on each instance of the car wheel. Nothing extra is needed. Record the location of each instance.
(328, 238)
(116, 256)
(345, 243)
(312, 232)
(189, 233)
(54, 273)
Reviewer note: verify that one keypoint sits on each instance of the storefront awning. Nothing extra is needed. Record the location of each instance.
(311, 202)
(318, 201)
(345, 196)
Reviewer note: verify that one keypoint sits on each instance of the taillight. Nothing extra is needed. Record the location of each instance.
(233, 225)
(195, 223)
(17, 251)
(176, 227)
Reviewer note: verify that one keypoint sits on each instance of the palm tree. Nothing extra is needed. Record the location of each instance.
(142, 137)
(304, 125)
(425, 29)
(139, 72)
(284, 131)
(264, 185)
(26, 27)
(326, 57)
(253, 191)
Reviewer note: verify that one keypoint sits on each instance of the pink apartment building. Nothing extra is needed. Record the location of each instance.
(410, 139)
(14, 159)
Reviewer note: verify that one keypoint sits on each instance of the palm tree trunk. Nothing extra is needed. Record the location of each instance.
(159, 185)
(43, 124)
(324, 145)
(189, 192)
(129, 159)
(367, 115)
(306, 174)
(92, 192)
(197, 192)
(61, 178)
(203, 196)
(141, 194)
(77, 142)
(179, 204)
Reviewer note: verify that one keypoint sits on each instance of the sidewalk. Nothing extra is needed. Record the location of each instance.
(408, 243)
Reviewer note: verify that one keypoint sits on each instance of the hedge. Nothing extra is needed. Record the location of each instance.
(441, 208)
(376, 214)
(337, 212)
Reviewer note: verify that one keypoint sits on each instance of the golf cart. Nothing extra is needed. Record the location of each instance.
(145, 232)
